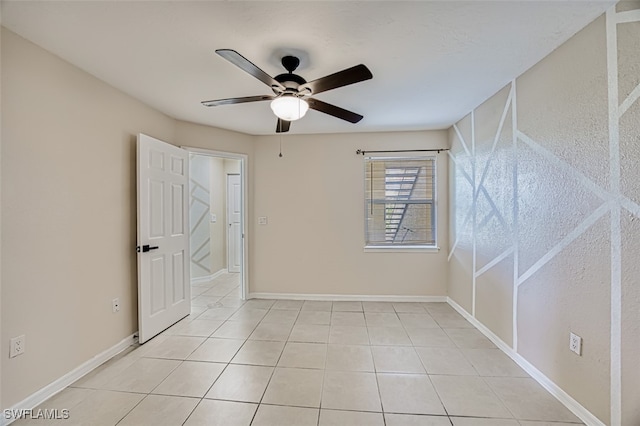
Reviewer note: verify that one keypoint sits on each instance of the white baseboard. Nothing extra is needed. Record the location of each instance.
(206, 278)
(346, 297)
(565, 399)
(53, 388)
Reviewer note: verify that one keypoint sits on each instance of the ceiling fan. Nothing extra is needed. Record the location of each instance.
(292, 93)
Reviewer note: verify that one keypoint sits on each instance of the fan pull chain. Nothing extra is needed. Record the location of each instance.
(280, 155)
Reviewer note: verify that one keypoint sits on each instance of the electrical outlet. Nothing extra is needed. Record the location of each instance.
(262, 220)
(575, 343)
(116, 304)
(17, 346)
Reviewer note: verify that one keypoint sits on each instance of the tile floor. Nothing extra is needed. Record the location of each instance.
(282, 362)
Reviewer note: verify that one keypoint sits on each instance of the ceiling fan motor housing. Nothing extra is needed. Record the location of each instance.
(289, 80)
(290, 63)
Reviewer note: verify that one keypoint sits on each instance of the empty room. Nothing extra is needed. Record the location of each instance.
(377, 213)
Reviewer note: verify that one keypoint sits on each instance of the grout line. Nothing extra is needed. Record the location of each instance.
(273, 372)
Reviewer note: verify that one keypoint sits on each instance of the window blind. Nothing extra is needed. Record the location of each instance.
(400, 201)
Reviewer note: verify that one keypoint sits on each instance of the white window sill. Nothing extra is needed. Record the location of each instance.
(401, 249)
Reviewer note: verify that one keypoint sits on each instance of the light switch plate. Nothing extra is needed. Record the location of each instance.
(262, 220)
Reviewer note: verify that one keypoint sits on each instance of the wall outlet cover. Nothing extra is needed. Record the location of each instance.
(575, 343)
(18, 346)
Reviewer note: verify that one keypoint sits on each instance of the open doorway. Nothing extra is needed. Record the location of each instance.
(217, 219)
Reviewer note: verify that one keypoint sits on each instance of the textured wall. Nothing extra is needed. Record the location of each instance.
(199, 208)
(208, 186)
(545, 219)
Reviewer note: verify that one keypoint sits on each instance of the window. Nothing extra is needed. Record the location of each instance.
(400, 202)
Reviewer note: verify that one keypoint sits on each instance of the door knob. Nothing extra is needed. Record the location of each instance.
(146, 248)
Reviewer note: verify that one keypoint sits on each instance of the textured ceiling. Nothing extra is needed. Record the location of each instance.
(432, 62)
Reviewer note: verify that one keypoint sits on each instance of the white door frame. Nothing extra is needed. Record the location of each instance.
(243, 158)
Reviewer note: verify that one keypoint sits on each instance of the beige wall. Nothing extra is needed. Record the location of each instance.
(219, 208)
(69, 211)
(68, 214)
(547, 243)
(313, 198)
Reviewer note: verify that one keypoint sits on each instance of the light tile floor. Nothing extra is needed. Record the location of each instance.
(266, 362)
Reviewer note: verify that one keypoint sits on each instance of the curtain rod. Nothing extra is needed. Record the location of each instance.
(363, 152)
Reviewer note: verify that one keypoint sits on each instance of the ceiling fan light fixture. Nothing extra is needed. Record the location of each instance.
(289, 108)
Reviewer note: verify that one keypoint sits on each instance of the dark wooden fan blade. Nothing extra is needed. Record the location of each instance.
(282, 126)
(337, 112)
(246, 65)
(341, 78)
(229, 101)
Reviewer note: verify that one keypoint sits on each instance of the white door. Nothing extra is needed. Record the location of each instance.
(164, 291)
(234, 219)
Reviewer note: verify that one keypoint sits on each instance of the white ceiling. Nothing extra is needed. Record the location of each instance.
(432, 62)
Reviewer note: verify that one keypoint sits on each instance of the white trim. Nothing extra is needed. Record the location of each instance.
(347, 297)
(631, 206)
(631, 99)
(401, 249)
(465, 223)
(244, 176)
(462, 142)
(474, 212)
(464, 173)
(626, 16)
(502, 256)
(207, 278)
(503, 117)
(516, 242)
(564, 398)
(615, 370)
(499, 216)
(565, 167)
(469, 212)
(587, 223)
(61, 383)
(214, 153)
